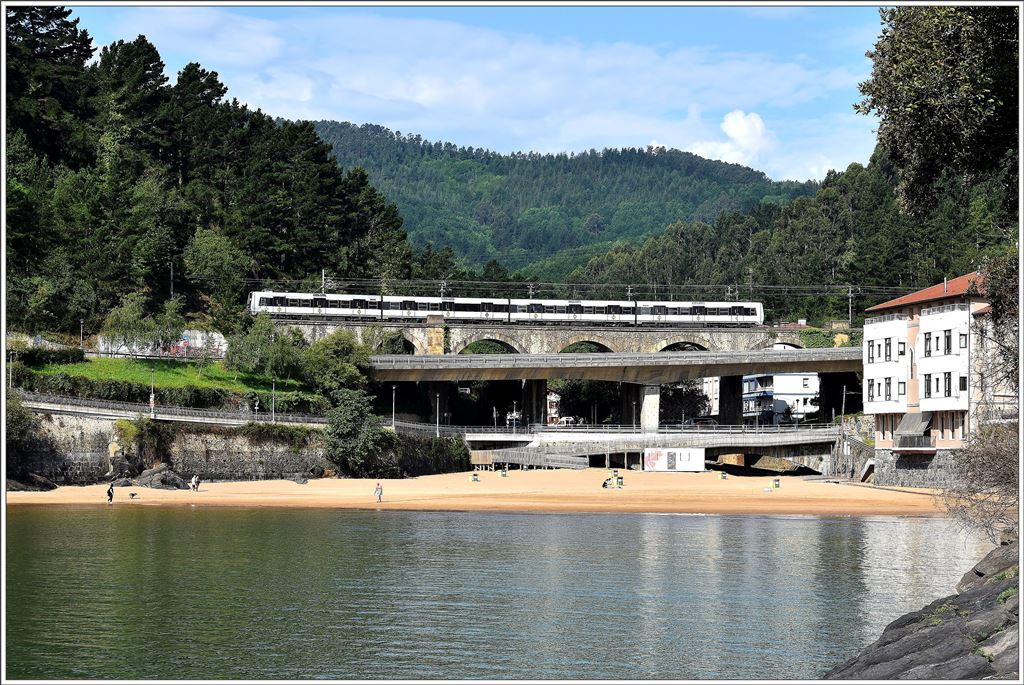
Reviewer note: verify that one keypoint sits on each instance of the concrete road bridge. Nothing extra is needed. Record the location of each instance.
(641, 374)
(438, 337)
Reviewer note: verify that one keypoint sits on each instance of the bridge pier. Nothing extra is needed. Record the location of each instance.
(535, 401)
(650, 408)
(730, 400)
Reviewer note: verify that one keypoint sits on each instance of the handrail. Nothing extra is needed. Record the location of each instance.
(609, 358)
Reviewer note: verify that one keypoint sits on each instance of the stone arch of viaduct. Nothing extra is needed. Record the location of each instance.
(436, 339)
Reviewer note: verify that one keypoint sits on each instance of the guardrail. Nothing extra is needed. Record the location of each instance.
(164, 410)
(440, 361)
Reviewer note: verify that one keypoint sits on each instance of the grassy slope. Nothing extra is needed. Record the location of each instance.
(169, 374)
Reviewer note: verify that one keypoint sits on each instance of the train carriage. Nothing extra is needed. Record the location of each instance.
(546, 311)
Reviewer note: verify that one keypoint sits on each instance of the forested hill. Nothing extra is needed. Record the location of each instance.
(522, 207)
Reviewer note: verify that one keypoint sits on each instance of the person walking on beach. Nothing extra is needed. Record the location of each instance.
(194, 482)
(379, 491)
(198, 481)
(110, 493)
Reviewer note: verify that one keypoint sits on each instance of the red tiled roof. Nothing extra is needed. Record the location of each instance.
(953, 288)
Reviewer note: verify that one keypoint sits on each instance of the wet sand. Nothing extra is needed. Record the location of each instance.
(542, 491)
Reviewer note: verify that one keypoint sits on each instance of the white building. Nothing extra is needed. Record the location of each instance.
(925, 366)
(769, 397)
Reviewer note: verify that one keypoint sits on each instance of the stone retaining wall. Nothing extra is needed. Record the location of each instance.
(76, 450)
(914, 471)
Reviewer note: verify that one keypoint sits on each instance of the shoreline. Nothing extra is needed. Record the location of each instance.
(542, 491)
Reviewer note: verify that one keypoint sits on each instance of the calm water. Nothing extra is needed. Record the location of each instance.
(261, 593)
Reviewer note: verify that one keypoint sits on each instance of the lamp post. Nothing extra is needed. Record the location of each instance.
(515, 417)
(437, 415)
(393, 406)
(273, 400)
(81, 334)
(634, 415)
(152, 392)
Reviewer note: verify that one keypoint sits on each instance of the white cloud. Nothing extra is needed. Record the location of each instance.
(473, 86)
(747, 138)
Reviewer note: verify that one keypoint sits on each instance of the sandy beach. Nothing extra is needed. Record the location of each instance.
(551, 491)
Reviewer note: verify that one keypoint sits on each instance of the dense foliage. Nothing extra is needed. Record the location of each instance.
(852, 231)
(522, 207)
(120, 182)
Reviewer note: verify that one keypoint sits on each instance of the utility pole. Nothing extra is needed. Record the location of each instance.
(81, 334)
(437, 427)
(273, 400)
(393, 387)
(172, 276)
(323, 281)
(849, 315)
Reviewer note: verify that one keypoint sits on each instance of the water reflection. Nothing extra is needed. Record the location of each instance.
(191, 593)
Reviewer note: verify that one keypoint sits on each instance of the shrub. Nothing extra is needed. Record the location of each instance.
(39, 356)
(424, 456)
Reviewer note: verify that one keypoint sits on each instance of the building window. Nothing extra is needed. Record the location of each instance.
(948, 348)
(888, 349)
(903, 348)
(937, 386)
(807, 383)
(947, 379)
(871, 351)
(888, 389)
(871, 391)
(927, 344)
(963, 341)
(879, 349)
(963, 383)
(927, 385)
(942, 425)
(902, 388)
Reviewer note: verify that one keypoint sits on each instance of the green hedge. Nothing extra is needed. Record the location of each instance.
(38, 356)
(186, 396)
(418, 456)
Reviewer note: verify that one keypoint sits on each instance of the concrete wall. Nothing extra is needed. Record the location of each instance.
(79, 450)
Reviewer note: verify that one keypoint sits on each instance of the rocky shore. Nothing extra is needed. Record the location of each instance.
(970, 635)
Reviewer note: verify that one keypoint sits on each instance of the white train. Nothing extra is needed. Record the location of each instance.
(504, 310)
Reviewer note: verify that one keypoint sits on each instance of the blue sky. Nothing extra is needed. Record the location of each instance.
(769, 87)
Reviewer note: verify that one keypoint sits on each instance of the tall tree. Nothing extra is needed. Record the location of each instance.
(944, 84)
(47, 83)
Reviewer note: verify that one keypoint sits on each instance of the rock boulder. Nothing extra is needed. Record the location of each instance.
(966, 636)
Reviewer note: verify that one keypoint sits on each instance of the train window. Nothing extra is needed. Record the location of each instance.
(614, 309)
(487, 306)
(535, 308)
(293, 303)
(560, 310)
(446, 306)
(673, 311)
(627, 310)
(502, 308)
(549, 310)
(358, 304)
(407, 304)
(385, 306)
(434, 307)
(264, 301)
(422, 306)
(750, 311)
(575, 309)
(320, 302)
(699, 311)
(659, 309)
(308, 302)
(588, 310)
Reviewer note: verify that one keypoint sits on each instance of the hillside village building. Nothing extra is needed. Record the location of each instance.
(927, 377)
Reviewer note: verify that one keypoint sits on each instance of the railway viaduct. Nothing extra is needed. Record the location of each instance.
(437, 337)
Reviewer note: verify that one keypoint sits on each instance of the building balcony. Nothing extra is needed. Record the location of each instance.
(887, 317)
(928, 311)
(923, 444)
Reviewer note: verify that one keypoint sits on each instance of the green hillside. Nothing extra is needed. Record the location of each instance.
(524, 208)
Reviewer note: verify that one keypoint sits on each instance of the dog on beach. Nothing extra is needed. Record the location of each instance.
(133, 495)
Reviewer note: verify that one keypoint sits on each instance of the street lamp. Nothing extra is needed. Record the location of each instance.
(273, 400)
(437, 415)
(393, 406)
(152, 392)
(81, 334)
(634, 415)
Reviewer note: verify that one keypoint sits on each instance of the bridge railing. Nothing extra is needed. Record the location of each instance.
(165, 410)
(440, 361)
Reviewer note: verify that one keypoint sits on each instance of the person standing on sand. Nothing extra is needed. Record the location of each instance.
(379, 491)
(110, 493)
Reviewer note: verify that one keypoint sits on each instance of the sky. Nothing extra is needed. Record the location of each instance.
(768, 87)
